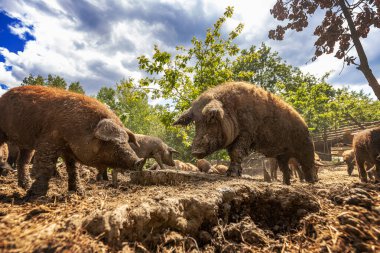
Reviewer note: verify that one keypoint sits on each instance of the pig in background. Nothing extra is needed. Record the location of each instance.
(271, 165)
(366, 145)
(206, 167)
(58, 123)
(203, 165)
(179, 165)
(148, 147)
(218, 169)
(349, 159)
(242, 117)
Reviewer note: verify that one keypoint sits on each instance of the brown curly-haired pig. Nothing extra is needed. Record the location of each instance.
(58, 123)
(349, 159)
(203, 165)
(242, 117)
(366, 145)
(148, 147)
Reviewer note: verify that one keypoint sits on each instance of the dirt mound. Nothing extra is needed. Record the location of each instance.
(193, 212)
(201, 212)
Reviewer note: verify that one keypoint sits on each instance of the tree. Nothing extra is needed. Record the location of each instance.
(107, 95)
(52, 81)
(76, 87)
(191, 71)
(354, 107)
(344, 24)
(31, 80)
(56, 81)
(268, 70)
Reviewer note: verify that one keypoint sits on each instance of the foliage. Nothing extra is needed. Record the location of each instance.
(179, 78)
(131, 104)
(357, 105)
(333, 30)
(52, 81)
(344, 24)
(182, 77)
(312, 100)
(56, 81)
(31, 80)
(76, 87)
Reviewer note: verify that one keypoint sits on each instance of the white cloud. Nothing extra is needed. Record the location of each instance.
(324, 64)
(97, 42)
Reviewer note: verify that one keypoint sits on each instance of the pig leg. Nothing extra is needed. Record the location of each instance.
(377, 171)
(73, 174)
(267, 177)
(308, 169)
(361, 169)
(350, 167)
(300, 173)
(370, 170)
(102, 174)
(44, 164)
(23, 163)
(105, 175)
(114, 176)
(284, 167)
(273, 172)
(237, 151)
(158, 159)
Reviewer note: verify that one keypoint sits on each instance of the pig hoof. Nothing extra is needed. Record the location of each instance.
(100, 177)
(233, 173)
(25, 184)
(35, 192)
(79, 190)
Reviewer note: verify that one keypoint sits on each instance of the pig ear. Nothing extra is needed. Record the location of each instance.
(172, 150)
(185, 119)
(213, 110)
(132, 137)
(107, 130)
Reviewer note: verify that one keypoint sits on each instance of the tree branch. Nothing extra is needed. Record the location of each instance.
(364, 66)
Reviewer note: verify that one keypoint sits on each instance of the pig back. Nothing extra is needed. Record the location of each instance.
(273, 125)
(29, 112)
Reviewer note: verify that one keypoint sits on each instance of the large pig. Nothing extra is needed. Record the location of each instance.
(242, 117)
(148, 147)
(367, 148)
(56, 123)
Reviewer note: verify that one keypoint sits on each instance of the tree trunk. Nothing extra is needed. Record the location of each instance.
(363, 66)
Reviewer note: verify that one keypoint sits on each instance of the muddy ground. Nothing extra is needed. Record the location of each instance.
(185, 212)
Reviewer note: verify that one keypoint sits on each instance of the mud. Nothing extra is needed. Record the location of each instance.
(192, 212)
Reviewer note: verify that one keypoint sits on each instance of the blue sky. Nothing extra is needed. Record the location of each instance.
(97, 42)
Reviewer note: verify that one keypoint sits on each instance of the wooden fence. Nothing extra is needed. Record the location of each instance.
(324, 141)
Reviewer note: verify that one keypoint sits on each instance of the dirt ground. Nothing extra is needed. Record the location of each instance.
(189, 212)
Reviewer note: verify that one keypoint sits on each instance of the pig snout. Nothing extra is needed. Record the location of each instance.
(199, 154)
(171, 163)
